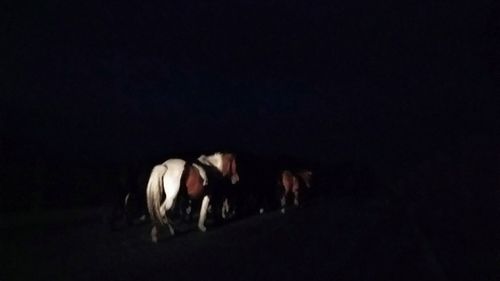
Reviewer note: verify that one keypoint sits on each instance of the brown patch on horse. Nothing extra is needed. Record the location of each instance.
(194, 182)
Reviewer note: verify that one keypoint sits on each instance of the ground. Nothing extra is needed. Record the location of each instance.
(340, 238)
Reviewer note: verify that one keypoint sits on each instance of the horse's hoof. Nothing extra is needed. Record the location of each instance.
(154, 235)
(202, 228)
(154, 238)
(283, 210)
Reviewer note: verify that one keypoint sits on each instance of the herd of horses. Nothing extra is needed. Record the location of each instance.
(218, 185)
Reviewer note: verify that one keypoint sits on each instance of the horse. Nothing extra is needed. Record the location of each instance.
(293, 183)
(191, 180)
(260, 174)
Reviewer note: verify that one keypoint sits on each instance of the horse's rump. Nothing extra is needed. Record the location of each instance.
(288, 181)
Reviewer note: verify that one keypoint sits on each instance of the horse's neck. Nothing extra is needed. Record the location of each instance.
(305, 178)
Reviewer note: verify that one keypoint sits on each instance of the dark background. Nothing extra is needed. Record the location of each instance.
(90, 88)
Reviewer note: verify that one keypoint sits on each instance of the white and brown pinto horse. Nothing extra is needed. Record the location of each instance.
(176, 175)
(293, 183)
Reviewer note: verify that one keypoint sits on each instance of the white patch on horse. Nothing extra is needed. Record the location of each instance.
(212, 160)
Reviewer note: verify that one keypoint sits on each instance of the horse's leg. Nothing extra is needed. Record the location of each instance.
(296, 198)
(182, 207)
(225, 209)
(203, 213)
(167, 204)
(171, 228)
(189, 211)
(157, 226)
(155, 230)
(171, 188)
(283, 200)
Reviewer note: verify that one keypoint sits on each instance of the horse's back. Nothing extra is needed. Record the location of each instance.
(174, 166)
(174, 163)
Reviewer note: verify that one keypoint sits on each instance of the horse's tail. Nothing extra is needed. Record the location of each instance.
(155, 194)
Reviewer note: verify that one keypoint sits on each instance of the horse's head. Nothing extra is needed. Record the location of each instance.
(305, 175)
(229, 167)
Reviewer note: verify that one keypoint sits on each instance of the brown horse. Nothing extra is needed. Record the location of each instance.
(293, 183)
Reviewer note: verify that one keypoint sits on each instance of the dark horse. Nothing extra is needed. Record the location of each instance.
(295, 184)
(261, 188)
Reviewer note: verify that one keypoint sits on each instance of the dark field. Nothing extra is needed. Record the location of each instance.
(437, 221)
(340, 238)
(343, 237)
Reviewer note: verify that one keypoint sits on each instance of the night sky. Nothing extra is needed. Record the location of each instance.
(112, 82)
